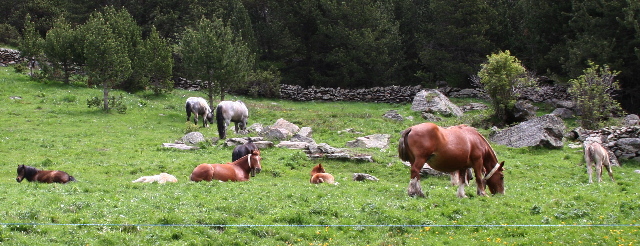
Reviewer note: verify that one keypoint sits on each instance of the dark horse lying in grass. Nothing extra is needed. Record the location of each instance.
(242, 150)
(34, 174)
(453, 149)
(236, 171)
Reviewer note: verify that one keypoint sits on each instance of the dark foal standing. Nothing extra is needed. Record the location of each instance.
(33, 174)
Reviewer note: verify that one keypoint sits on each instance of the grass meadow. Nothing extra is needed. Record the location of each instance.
(547, 202)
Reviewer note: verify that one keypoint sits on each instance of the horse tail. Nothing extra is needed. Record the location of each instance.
(187, 108)
(403, 145)
(220, 121)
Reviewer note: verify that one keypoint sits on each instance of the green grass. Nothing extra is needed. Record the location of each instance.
(51, 127)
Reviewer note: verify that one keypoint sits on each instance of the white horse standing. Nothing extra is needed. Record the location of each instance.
(199, 106)
(230, 111)
(595, 154)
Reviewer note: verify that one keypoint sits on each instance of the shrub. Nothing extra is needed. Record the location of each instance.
(592, 92)
(502, 76)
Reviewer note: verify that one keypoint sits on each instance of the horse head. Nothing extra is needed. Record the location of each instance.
(254, 162)
(317, 169)
(25, 172)
(209, 117)
(495, 179)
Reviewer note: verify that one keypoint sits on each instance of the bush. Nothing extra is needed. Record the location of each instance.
(9, 35)
(591, 92)
(502, 76)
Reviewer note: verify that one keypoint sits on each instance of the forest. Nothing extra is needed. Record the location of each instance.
(367, 43)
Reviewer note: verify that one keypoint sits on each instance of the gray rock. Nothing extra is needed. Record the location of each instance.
(393, 114)
(564, 113)
(631, 120)
(192, 138)
(546, 130)
(284, 124)
(430, 117)
(434, 101)
(372, 141)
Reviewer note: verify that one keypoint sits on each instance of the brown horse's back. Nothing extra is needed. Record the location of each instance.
(322, 178)
(202, 172)
(53, 177)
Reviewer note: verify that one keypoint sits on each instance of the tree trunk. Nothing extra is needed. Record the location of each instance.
(105, 98)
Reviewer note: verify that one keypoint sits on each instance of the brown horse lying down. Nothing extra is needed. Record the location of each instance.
(238, 170)
(595, 154)
(319, 175)
(452, 149)
(34, 174)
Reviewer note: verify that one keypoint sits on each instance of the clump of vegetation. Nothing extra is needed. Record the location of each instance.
(190, 127)
(502, 77)
(116, 103)
(592, 94)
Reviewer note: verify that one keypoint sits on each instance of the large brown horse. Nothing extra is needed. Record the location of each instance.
(319, 175)
(33, 174)
(238, 170)
(453, 149)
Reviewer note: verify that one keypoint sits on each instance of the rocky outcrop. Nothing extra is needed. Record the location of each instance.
(546, 131)
(434, 101)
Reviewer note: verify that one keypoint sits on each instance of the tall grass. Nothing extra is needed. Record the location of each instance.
(51, 127)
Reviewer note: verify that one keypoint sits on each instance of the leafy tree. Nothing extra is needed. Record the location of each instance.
(213, 54)
(159, 62)
(31, 45)
(453, 39)
(107, 61)
(592, 94)
(502, 76)
(62, 46)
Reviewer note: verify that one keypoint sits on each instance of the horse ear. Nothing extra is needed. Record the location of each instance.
(502, 165)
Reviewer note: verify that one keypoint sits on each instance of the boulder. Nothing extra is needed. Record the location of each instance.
(372, 141)
(631, 120)
(292, 145)
(474, 106)
(192, 138)
(564, 113)
(393, 114)
(363, 177)
(523, 110)
(629, 145)
(276, 134)
(546, 130)
(284, 124)
(434, 101)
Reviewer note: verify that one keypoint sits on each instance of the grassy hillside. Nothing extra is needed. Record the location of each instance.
(547, 197)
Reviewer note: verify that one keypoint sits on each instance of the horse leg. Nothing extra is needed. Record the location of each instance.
(236, 126)
(587, 159)
(610, 172)
(479, 179)
(462, 182)
(414, 184)
(599, 163)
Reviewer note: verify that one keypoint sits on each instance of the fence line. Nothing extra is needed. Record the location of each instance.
(243, 225)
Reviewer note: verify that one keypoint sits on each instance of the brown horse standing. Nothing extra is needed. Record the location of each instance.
(595, 154)
(453, 149)
(238, 170)
(319, 175)
(34, 174)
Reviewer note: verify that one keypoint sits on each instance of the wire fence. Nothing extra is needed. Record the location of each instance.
(248, 225)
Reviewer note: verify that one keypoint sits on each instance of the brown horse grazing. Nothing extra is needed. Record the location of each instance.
(34, 174)
(238, 170)
(595, 154)
(319, 175)
(453, 149)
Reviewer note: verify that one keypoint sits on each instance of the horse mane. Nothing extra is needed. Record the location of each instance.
(29, 172)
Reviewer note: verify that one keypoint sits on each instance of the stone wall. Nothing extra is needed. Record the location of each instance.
(623, 141)
(9, 57)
